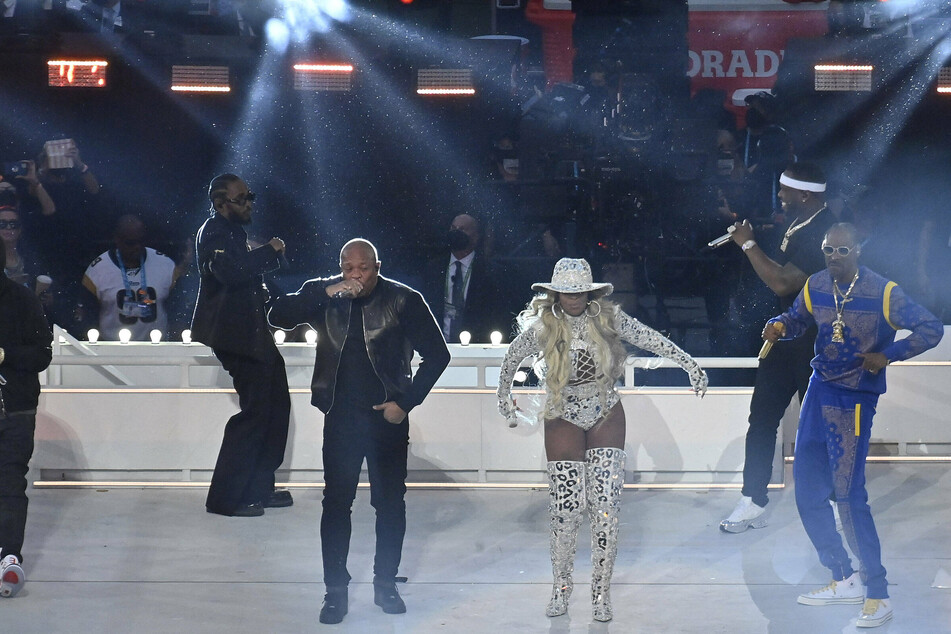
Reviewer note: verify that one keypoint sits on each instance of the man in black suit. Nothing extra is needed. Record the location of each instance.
(230, 318)
(462, 291)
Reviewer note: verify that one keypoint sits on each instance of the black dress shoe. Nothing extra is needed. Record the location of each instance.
(248, 510)
(387, 597)
(279, 498)
(335, 606)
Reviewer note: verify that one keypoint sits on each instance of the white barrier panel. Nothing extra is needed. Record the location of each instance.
(157, 412)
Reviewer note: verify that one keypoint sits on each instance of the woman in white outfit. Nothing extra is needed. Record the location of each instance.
(576, 335)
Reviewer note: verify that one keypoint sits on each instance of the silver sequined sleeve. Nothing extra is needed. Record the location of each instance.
(646, 338)
(525, 345)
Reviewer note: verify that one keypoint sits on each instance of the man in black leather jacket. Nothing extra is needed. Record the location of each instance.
(25, 341)
(230, 318)
(367, 330)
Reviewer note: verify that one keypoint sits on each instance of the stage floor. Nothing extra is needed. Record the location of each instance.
(152, 560)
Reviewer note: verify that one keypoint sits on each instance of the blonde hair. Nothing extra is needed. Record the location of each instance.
(554, 338)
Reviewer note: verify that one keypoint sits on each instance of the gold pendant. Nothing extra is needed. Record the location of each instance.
(838, 334)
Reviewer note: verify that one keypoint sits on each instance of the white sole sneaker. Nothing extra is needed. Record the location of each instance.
(738, 527)
(875, 613)
(12, 580)
(846, 591)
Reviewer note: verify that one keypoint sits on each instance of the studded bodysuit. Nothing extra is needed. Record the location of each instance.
(584, 401)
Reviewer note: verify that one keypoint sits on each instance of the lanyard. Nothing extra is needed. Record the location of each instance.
(125, 278)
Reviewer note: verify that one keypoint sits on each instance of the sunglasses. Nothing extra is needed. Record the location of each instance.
(9, 224)
(841, 251)
(241, 201)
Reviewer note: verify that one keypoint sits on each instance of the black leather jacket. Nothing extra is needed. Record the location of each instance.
(26, 339)
(396, 322)
(229, 314)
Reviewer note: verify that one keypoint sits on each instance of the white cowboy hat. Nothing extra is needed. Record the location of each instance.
(573, 276)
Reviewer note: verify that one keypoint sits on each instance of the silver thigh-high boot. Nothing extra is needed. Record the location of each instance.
(604, 482)
(566, 508)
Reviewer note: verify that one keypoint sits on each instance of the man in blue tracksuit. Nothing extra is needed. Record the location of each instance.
(857, 312)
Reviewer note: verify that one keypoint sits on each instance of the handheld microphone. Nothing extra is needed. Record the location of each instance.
(768, 345)
(725, 238)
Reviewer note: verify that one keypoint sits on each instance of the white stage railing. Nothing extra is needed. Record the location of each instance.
(150, 413)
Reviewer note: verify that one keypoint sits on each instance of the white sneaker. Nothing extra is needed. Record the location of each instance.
(848, 590)
(11, 576)
(874, 613)
(745, 515)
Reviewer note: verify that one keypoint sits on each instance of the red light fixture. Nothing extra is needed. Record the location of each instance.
(76, 73)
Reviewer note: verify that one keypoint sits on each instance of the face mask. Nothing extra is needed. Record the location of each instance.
(754, 118)
(457, 240)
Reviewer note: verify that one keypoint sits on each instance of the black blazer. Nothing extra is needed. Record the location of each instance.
(484, 309)
(230, 312)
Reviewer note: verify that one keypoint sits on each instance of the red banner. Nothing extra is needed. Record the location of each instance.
(741, 50)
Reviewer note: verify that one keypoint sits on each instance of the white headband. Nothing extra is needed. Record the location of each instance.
(805, 186)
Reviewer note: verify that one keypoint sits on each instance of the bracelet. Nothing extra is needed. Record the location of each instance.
(749, 244)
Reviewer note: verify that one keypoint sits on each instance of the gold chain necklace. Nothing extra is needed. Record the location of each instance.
(838, 326)
(794, 228)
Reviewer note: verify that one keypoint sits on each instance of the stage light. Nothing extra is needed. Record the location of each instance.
(125, 335)
(77, 73)
(521, 376)
(944, 81)
(465, 337)
(444, 82)
(495, 338)
(277, 34)
(155, 336)
(303, 18)
(279, 336)
(311, 337)
(92, 335)
(326, 77)
(201, 79)
(186, 336)
(843, 77)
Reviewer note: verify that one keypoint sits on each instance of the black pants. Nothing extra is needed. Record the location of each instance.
(16, 449)
(783, 373)
(350, 435)
(255, 438)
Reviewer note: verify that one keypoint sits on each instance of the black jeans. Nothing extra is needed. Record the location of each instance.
(255, 437)
(783, 373)
(350, 435)
(16, 449)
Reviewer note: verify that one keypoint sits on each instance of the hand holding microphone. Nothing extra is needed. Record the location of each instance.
(724, 239)
(346, 289)
(771, 334)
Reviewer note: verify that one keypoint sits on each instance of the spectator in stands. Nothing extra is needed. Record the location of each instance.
(463, 290)
(69, 235)
(31, 192)
(21, 266)
(131, 284)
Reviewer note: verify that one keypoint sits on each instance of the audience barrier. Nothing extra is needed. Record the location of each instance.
(154, 414)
